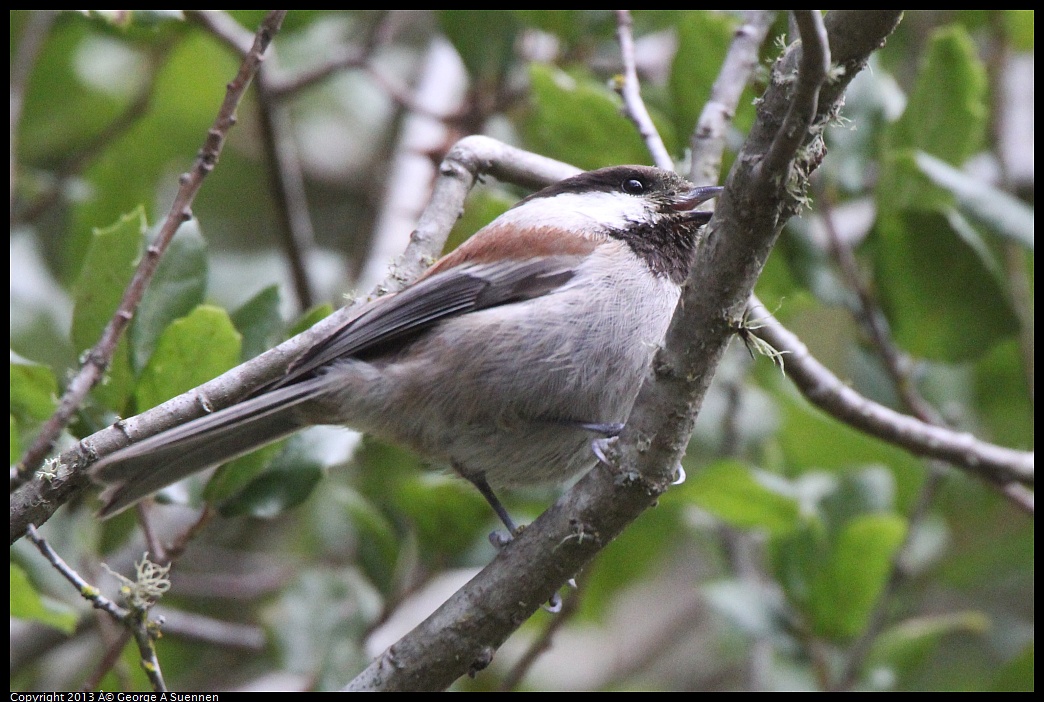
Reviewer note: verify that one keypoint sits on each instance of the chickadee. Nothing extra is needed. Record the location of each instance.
(505, 360)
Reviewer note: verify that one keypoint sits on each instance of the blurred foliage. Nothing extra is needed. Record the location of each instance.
(790, 526)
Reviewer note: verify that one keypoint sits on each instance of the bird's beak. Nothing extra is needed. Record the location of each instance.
(694, 198)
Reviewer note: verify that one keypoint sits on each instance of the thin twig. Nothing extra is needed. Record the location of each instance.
(804, 104)
(631, 93)
(708, 137)
(995, 464)
(286, 180)
(98, 358)
(874, 322)
(135, 620)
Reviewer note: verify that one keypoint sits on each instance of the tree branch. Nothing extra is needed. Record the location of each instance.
(463, 633)
(708, 138)
(811, 73)
(631, 92)
(134, 619)
(993, 463)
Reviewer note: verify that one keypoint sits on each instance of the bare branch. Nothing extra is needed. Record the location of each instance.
(135, 620)
(631, 92)
(993, 463)
(286, 180)
(462, 635)
(708, 138)
(812, 71)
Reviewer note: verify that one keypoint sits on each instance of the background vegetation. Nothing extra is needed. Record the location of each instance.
(799, 554)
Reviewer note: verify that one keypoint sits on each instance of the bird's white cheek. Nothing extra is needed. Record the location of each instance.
(581, 212)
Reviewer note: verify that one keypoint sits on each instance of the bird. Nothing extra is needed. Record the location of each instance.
(504, 361)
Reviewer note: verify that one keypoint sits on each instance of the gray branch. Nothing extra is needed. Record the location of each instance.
(822, 388)
(462, 635)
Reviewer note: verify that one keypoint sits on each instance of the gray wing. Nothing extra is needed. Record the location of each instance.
(408, 313)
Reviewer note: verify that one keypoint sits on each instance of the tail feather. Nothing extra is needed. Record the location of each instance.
(134, 472)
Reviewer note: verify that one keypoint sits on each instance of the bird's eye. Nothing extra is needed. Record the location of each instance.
(633, 186)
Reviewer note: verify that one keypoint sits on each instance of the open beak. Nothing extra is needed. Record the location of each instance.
(693, 199)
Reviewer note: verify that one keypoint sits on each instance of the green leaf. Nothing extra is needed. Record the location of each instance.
(447, 513)
(108, 267)
(485, 39)
(274, 492)
(856, 493)
(16, 442)
(997, 210)
(378, 540)
(191, 351)
(287, 482)
(259, 321)
(811, 440)
(743, 498)
(34, 392)
(941, 301)
(846, 588)
(1003, 398)
(578, 120)
(186, 92)
(310, 318)
(796, 558)
(483, 206)
(1017, 675)
(904, 647)
(178, 285)
(240, 472)
(28, 604)
(1019, 25)
(947, 111)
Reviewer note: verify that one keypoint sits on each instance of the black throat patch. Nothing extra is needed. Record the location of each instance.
(667, 247)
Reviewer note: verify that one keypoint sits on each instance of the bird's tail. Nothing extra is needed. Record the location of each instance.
(146, 466)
